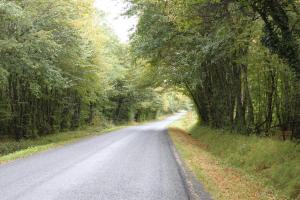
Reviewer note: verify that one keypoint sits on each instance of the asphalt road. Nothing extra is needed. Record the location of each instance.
(135, 163)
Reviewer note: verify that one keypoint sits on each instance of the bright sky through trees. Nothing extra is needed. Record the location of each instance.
(121, 25)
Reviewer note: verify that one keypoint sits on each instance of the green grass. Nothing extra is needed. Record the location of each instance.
(276, 163)
(11, 150)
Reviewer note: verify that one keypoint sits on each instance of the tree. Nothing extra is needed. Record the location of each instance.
(212, 50)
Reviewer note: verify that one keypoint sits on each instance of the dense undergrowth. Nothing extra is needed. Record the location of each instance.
(275, 162)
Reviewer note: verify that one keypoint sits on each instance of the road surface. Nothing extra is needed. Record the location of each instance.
(134, 163)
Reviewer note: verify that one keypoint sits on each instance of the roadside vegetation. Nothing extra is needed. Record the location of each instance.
(65, 75)
(62, 68)
(11, 149)
(239, 62)
(234, 166)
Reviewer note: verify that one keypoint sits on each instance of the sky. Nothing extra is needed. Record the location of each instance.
(120, 24)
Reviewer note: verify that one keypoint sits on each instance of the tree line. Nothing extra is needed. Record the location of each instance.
(237, 60)
(62, 67)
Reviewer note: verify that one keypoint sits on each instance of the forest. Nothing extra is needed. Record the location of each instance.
(62, 68)
(233, 65)
(237, 60)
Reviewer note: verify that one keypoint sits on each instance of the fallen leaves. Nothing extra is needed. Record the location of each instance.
(223, 182)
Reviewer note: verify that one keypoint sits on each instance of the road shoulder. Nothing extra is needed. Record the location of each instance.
(194, 188)
(223, 182)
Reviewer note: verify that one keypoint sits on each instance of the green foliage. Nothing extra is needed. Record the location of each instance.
(240, 75)
(275, 161)
(280, 28)
(62, 68)
(238, 61)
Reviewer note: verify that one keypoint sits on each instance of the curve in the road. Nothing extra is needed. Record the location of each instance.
(136, 163)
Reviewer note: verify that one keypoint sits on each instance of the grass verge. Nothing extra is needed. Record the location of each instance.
(233, 166)
(11, 150)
